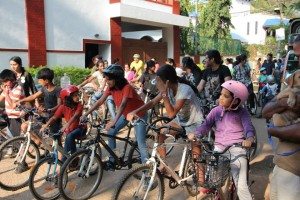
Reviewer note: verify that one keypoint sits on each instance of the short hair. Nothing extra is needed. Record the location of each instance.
(271, 55)
(214, 54)
(46, 74)
(8, 75)
(149, 63)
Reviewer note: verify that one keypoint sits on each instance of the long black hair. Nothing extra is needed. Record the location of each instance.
(69, 101)
(119, 81)
(18, 60)
(167, 72)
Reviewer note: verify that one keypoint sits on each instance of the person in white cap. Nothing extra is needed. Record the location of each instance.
(137, 64)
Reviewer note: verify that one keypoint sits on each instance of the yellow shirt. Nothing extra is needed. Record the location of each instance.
(137, 65)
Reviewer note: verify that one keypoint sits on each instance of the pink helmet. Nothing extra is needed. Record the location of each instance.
(239, 91)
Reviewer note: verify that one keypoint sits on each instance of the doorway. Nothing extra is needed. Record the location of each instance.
(91, 50)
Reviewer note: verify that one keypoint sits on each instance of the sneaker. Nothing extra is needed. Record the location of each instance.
(109, 165)
(22, 167)
(10, 153)
(253, 111)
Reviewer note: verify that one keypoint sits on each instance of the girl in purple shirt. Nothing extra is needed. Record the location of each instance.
(233, 125)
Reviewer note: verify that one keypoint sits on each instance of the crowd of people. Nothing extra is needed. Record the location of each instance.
(227, 83)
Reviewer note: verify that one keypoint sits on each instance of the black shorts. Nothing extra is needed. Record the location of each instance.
(14, 125)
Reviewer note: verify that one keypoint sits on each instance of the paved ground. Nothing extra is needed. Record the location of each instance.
(260, 168)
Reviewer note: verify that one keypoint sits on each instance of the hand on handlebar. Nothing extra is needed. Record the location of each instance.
(248, 142)
(131, 115)
(109, 125)
(191, 136)
(82, 119)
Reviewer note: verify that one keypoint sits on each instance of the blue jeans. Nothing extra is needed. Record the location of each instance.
(140, 135)
(110, 103)
(70, 144)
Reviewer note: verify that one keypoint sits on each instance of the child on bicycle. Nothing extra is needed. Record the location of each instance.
(270, 90)
(233, 125)
(127, 100)
(51, 95)
(71, 110)
(100, 89)
(262, 79)
(11, 92)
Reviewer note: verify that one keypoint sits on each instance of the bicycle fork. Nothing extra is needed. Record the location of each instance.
(21, 148)
(81, 172)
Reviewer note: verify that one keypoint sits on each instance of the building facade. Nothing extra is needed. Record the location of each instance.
(71, 32)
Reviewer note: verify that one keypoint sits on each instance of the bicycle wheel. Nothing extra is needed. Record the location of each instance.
(134, 155)
(259, 99)
(135, 183)
(89, 126)
(74, 181)
(43, 181)
(150, 135)
(253, 148)
(254, 110)
(191, 168)
(13, 174)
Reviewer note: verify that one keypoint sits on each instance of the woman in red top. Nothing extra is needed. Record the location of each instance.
(127, 100)
(71, 110)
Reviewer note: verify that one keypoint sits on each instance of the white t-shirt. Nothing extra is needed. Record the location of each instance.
(190, 113)
(100, 79)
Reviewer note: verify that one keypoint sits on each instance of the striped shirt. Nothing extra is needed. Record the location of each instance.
(15, 94)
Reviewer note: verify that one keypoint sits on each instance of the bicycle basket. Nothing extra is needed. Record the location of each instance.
(217, 168)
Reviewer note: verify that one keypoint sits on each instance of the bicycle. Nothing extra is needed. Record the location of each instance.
(89, 92)
(217, 172)
(43, 179)
(157, 111)
(21, 150)
(82, 182)
(13, 153)
(3, 125)
(146, 182)
(247, 105)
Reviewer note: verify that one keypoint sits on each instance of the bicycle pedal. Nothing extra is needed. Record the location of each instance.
(172, 183)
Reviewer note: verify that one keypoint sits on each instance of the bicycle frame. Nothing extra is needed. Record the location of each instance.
(119, 160)
(155, 155)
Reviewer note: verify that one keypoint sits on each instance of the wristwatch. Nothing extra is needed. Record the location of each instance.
(164, 94)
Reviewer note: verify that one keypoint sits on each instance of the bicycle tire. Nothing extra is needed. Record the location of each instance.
(89, 126)
(74, 185)
(134, 155)
(8, 166)
(191, 168)
(255, 104)
(39, 183)
(131, 180)
(150, 135)
(254, 147)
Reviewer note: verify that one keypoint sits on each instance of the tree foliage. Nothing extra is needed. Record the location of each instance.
(290, 8)
(215, 19)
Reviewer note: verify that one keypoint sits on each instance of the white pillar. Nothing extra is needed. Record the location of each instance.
(167, 33)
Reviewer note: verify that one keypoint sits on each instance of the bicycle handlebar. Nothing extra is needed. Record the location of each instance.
(87, 120)
(30, 111)
(136, 121)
